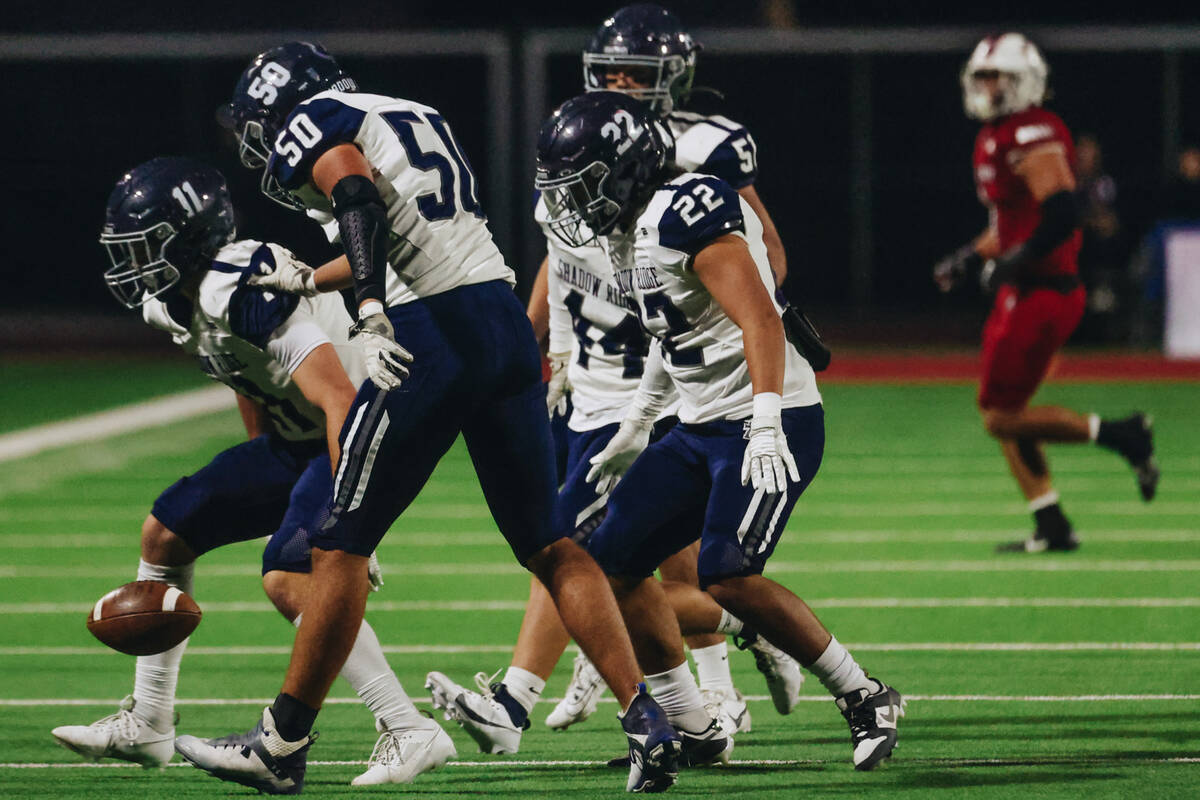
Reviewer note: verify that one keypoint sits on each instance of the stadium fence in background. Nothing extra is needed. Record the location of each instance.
(510, 135)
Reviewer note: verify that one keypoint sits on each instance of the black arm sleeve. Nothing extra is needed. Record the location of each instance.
(1060, 218)
(362, 222)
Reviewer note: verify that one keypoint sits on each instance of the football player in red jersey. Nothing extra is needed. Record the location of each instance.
(1024, 172)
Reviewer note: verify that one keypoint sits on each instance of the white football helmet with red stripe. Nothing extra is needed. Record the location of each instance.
(1004, 75)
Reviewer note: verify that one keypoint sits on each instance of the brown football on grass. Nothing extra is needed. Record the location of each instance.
(143, 618)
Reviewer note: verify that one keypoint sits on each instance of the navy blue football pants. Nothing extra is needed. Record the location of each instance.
(476, 370)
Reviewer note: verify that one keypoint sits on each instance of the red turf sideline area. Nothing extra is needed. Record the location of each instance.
(884, 366)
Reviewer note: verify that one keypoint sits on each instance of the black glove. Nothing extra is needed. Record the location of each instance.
(1003, 268)
(952, 270)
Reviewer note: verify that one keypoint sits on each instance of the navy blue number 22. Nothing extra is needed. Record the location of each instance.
(439, 205)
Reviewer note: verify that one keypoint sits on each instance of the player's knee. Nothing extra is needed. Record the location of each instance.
(286, 592)
(160, 545)
(553, 557)
(997, 422)
(727, 590)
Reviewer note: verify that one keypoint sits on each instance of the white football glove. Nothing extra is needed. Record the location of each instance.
(768, 461)
(374, 573)
(622, 450)
(290, 276)
(386, 360)
(558, 387)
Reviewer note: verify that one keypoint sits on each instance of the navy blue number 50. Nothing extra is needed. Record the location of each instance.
(437, 205)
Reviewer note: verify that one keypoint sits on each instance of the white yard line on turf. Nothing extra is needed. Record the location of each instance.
(105, 424)
(884, 647)
(263, 607)
(32, 702)
(1016, 564)
(1016, 761)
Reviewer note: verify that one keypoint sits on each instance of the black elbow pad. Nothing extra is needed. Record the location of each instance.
(363, 224)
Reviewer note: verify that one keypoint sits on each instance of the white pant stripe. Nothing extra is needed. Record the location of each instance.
(596, 505)
(369, 462)
(748, 519)
(780, 502)
(341, 473)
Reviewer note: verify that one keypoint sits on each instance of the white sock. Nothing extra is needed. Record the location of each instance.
(729, 624)
(676, 691)
(1093, 426)
(839, 672)
(155, 677)
(523, 686)
(372, 679)
(1044, 501)
(712, 665)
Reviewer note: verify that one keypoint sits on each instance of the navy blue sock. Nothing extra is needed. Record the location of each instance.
(293, 719)
(516, 711)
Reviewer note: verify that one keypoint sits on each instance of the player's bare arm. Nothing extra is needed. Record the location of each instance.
(254, 417)
(538, 309)
(775, 253)
(727, 270)
(333, 276)
(324, 383)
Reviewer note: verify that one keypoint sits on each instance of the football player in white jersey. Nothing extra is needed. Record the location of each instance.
(425, 271)
(169, 231)
(595, 349)
(689, 252)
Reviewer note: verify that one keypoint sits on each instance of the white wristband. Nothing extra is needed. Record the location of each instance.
(375, 307)
(768, 404)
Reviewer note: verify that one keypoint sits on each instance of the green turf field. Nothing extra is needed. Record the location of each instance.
(1044, 676)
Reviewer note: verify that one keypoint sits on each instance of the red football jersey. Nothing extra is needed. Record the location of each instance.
(999, 148)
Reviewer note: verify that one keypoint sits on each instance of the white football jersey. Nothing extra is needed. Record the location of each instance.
(439, 235)
(590, 317)
(714, 145)
(253, 340)
(584, 302)
(702, 346)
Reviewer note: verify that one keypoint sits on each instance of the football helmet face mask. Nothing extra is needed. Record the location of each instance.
(165, 218)
(1004, 75)
(275, 83)
(648, 43)
(597, 156)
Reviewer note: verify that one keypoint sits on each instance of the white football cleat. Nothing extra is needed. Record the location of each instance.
(401, 755)
(479, 713)
(729, 708)
(873, 717)
(583, 693)
(123, 735)
(782, 672)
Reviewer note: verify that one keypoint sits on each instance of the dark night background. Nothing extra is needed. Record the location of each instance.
(72, 127)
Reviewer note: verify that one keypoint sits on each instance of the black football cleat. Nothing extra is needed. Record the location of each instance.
(872, 717)
(654, 746)
(710, 746)
(1042, 542)
(1133, 438)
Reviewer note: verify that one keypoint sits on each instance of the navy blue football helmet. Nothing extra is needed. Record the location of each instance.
(597, 157)
(165, 218)
(649, 43)
(275, 83)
